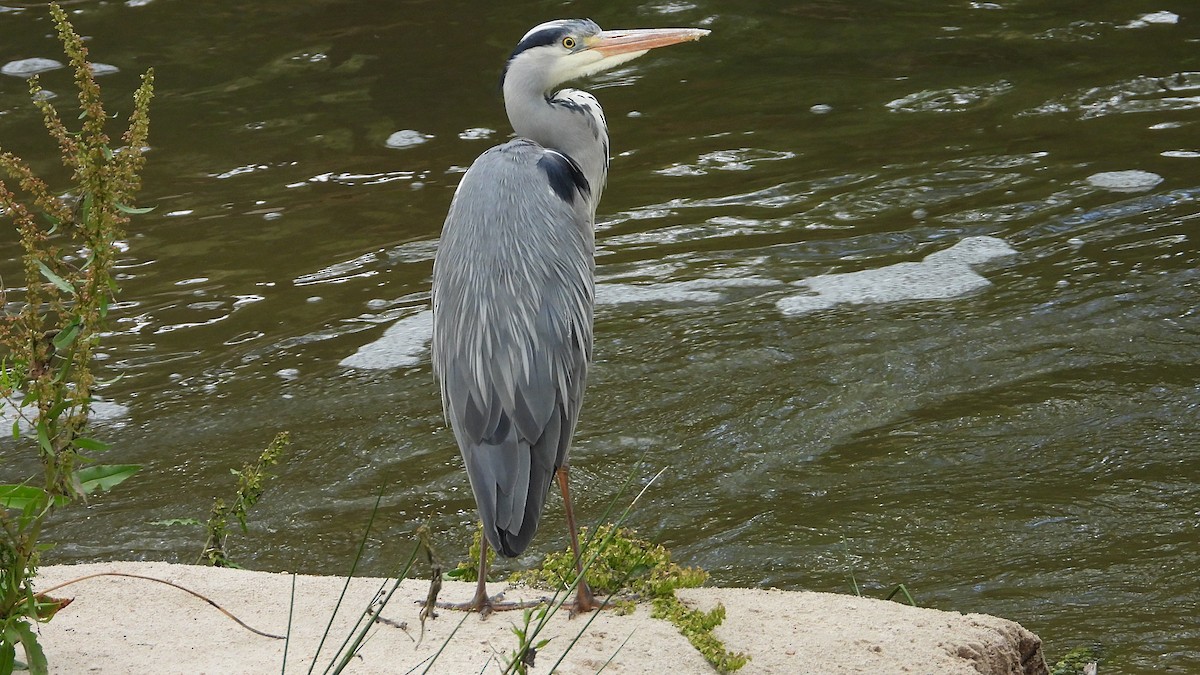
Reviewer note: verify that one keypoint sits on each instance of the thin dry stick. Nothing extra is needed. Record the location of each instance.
(219, 608)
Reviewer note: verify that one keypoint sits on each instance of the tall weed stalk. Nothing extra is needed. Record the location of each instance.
(50, 327)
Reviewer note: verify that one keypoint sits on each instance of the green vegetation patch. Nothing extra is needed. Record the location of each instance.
(1074, 661)
(251, 482)
(51, 324)
(620, 564)
(627, 568)
(698, 627)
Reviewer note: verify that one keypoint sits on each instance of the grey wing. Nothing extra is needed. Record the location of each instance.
(512, 328)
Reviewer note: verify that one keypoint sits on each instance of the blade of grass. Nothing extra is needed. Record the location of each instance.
(604, 603)
(592, 559)
(362, 545)
(287, 637)
(367, 619)
(420, 663)
(907, 595)
(633, 473)
(443, 647)
(614, 654)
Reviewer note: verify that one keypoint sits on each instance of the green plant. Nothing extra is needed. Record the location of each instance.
(48, 335)
(251, 482)
(698, 627)
(621, 563)
(370, 614)
(250, 485)
(468, 570)
(522, 658)
(898, 588)
(1076, 661)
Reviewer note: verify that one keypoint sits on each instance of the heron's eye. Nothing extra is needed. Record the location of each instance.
(569, 42)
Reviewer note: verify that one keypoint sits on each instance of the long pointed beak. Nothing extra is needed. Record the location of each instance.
(614, 42)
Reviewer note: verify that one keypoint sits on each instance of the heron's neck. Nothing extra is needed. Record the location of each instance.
(569, 121)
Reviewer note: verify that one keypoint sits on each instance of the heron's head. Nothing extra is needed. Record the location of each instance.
(567, 49)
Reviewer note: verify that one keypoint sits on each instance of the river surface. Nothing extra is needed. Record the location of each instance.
(1012, 427)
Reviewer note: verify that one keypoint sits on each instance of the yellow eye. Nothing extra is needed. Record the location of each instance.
(569, 42)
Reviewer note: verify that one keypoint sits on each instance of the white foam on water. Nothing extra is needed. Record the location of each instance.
(944, 274)
(673, 291)
(404, 343)
(406, 138)
(693, 290)
(29, 67)
(1125, 181)
(1160, 18)
(102, 411)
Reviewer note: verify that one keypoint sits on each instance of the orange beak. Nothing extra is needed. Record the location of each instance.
(614, 42)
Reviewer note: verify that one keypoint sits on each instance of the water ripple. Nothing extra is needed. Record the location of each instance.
(404, 343)
(738, 159)
(1170, 93)
(954, 99)
(340, 273)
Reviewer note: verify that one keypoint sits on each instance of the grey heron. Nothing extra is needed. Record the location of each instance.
(512, 282)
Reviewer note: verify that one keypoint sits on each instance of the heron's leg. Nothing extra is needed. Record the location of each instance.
(584, 600)
(482, 602)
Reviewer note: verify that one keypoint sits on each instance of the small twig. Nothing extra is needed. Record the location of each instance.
(435, 581)
(219, 608)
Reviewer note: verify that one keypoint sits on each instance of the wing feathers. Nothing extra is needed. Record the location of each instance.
(512, 300)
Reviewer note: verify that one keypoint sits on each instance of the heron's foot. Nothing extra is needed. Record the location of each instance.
(486, 605)
(584, 602)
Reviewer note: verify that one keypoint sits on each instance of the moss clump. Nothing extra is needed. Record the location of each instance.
(1073, 662)
(698, 627)
(624, 564)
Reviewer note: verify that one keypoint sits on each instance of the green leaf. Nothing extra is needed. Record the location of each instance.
(54, 223)
(135, 210)
(24, 497)
(16, 429)
(58, 409)
(20, 497)
(100, 384)
(44, 438)
(61, 373)
(104, 476)
(90, 444)
(67, 335)
(55, 279)
(35, 658)
(8, 656)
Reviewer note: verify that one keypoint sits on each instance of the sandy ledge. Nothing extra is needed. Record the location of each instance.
(125, 625)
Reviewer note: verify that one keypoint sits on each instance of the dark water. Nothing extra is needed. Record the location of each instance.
(1028, 449)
